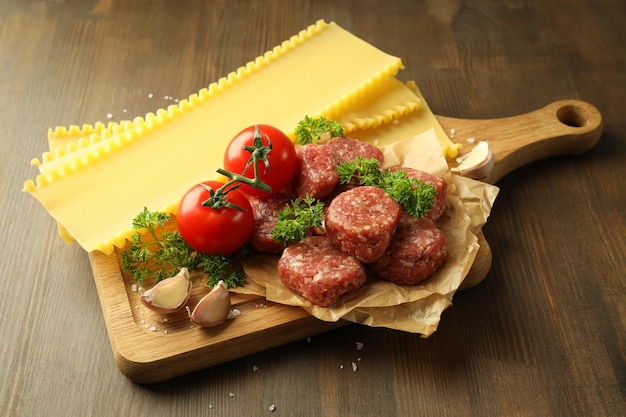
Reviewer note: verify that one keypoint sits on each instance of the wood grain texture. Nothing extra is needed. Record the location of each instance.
(542, 335)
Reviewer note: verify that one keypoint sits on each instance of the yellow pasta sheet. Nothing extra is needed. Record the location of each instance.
(95, 192)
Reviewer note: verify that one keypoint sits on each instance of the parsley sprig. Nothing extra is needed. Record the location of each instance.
(297, 219)
(415, 196)
(160, 253)
(312, 129)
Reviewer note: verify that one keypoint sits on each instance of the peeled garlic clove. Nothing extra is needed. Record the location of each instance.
(168, 295)
(478, 163)
(213, 308)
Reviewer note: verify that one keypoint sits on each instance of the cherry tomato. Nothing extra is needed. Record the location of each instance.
(282, 159)
(214, 231)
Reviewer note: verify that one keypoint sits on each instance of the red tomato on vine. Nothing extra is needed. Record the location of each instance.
(214, 225)
(276, 162)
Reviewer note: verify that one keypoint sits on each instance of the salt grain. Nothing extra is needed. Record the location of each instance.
(133, 287)
(255, 368)
(153, 328)
(272, 407)
(233, 313)
(354, 366)
(359, 345)
(150, 95)
(231, 394)
(471, 140)
(452, 133)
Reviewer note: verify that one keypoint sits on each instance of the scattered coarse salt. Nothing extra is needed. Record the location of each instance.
(231, 394)
(233, 313)
(109, 115)
(471, 140)
(133, 288)
(340, 366)
(452, 133)
(124, 111)
(165, 332)
(354, 366)
(210, 406)
(142, 321)
(272, 407)
(150, 95)
(165, 320)
(359, 345)
(153, 328)
(255, 368)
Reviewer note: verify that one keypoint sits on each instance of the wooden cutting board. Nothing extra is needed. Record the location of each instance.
(148, 348)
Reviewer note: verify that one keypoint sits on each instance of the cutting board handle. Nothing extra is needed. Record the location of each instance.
(564, 127)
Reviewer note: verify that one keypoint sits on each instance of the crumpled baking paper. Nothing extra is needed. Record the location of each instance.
(418, 308)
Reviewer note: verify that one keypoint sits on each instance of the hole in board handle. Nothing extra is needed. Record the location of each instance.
(572, 116)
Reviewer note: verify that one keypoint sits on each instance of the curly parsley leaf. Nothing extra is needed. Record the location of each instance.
(415, 196)
(161, 253)
(311, 129)
(366, 171)
(224, 268)
(297, 219)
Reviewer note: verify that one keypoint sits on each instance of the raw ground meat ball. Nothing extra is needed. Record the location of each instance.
(346, 149)
(417, 249)
(318, 271)
(316, 174)
(265, 217)
(361, 222)
(439, 206)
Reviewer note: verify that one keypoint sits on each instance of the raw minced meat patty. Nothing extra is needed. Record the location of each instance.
(265, 212)
(318, 271)
(417, 249)
(346, 149)
(316, 174)
(361, 222)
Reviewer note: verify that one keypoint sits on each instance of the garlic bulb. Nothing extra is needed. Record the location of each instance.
(213, 308)
(170, 294)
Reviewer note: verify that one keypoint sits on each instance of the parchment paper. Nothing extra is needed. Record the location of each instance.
(418, 308)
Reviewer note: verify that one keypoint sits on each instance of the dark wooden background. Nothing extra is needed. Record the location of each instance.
(543, 335)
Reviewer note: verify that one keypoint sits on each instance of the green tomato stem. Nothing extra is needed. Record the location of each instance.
(258, 152)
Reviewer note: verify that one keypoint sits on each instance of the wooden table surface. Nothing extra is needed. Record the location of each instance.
(543, 334)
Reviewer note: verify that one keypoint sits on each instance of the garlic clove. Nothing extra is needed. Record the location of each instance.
(213, 308)
(477, 163)
(170, 294)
